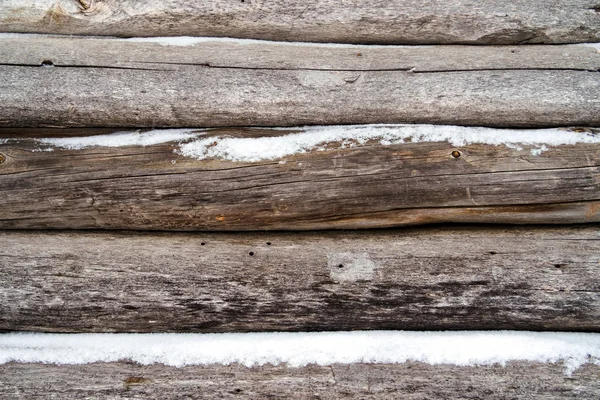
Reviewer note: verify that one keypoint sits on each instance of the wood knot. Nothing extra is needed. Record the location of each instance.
(456, 154)
(2, 158)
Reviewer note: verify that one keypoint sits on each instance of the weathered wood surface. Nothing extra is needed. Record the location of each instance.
(155, 188)
(437, 278)
(119, 83)
(518, 380)
(354, 21)
(163, 53)
(207, 97)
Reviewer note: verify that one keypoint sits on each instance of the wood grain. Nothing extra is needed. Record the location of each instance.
(437, 278)
(371, 186)
(353, 21)
(190, 96)
(156, 53)
(414, 381)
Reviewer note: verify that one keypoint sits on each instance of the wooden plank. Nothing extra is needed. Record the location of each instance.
(354, 21)
(161, 53)
(369, 186)
(436, 278)
(197, 95)
(518, 380)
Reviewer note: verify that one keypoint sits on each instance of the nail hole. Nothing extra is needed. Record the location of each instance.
(493, 253)
(238, 390)
(513, 51)
(251, 253)
(268, 243)
(341, 266)
(47, 63)
(456, 154)
(560, 265)
(202, 244)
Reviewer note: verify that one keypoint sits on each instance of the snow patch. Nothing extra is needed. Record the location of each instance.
(119, 139)
(194, 40)
(592, 45)
(318, 138)
(298, 349)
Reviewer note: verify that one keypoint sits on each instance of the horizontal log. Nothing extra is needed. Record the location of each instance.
(436, 278)
(354, 21)
(121, 83)
(373, 185)
(517, 380)
(174, 53)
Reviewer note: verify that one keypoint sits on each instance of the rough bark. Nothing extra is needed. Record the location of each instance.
(353, 21)
(371, 186)
(436, 278)
(412, 381)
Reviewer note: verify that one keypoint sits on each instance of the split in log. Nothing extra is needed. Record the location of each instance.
(366, 186)
(519, 380)
(120, 83)
(353, 21)
(436, 278)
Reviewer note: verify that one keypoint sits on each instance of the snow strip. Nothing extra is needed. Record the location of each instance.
(317, 138)
(469, 348)
(194, 40)
(119, 139)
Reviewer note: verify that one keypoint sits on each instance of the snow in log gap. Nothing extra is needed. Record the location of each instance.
(194, 40)
(321, 138)
(119, 139)
(462, 348)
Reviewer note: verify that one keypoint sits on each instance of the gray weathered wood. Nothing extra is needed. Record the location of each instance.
(352, 21)
(369, 186)
(436, 278)
(68, 51)
(518, 380)
(195, 95)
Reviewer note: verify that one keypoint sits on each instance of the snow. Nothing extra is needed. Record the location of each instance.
(468, 348)
(194, 40)
(592, 45)
(119, 139)
(316, 138)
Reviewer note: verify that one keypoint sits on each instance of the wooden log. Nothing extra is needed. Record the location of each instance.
(173, 53)
(119, 83)
(518, 380)
(437, 278)
(367, 186)
(354, 21)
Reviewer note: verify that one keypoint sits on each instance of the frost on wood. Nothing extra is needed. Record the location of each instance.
(318, 138)
(300, 349)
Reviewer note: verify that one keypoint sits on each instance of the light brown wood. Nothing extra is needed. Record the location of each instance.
(407, 381)
(353, 21)
(369, 186)
(436, 278)
(156, 53)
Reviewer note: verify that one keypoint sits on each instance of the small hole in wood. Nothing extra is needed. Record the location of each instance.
(359, 54)
(251, 253)
(341, 266)
(47, 63)
(560, 265)
(513, 51)
(202, 244)
(493, 253)
(456, 154)
(238, 390)
(268, 243)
